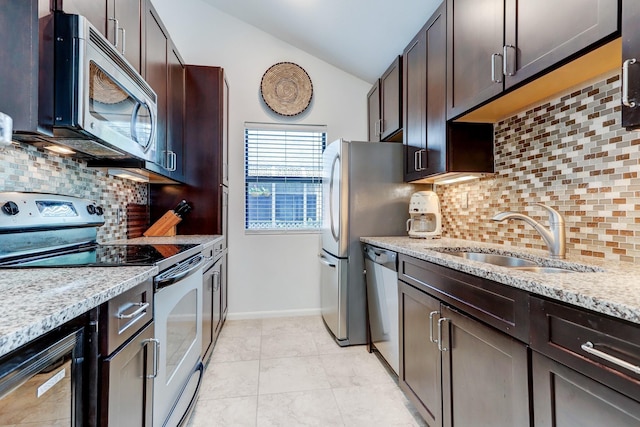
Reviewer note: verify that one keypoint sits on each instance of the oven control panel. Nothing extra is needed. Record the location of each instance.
(33, 211)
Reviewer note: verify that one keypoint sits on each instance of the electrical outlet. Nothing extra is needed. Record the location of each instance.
(465, 200)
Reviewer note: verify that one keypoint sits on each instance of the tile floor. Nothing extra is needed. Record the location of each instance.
(290, 372)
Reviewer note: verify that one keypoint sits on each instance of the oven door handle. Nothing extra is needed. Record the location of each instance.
(179, 272)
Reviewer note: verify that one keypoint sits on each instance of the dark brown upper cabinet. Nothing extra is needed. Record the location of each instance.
(433, 146)
(384, 105)
(124, 28)
(373, 112)
(94, 10)
(164, 71)
(120, 21)
(496, 45)
(19, 63)
(630, 65)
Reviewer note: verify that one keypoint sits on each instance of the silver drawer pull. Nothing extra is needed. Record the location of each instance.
(589, 348)
(142, 306)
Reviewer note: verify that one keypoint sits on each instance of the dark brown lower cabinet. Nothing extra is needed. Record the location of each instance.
(456, 370)
(420, 363)
(564, 397)
(485, 375)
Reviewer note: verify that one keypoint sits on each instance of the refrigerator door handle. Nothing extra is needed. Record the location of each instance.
(334, 232)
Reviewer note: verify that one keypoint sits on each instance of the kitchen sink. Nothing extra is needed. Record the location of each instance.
(495, 259)
(518, 263)
(542, 269)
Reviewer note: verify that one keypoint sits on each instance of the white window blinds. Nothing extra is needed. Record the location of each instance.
(283, 173)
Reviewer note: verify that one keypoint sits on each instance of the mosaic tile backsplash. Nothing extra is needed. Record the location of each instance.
(25, 168)
(569, 153)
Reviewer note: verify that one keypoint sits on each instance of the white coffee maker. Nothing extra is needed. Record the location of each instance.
(425, 221)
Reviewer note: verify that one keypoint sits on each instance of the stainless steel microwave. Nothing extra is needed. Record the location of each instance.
(91, 99)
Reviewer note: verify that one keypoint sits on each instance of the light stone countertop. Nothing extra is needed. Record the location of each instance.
(37, 300)
(614, 291)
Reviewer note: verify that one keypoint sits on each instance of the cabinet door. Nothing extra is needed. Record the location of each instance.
(207, 312)
(563, 397)
(94, 10)
(373, 113)
(434, 160)
(484, 374)
(156, 75)
(414, 94)
(225, 134)
(124, 18)
(543, 33)
(224, 287)
(175, 112)
(420, 366)
(391, 101)
(631, 64)
(474, 42)
(127, 386)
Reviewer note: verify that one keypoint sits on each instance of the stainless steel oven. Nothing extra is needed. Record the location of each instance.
(178, 303)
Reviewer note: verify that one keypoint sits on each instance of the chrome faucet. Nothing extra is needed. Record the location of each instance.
(554, 237)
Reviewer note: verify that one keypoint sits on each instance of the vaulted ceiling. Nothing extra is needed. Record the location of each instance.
(361, 37)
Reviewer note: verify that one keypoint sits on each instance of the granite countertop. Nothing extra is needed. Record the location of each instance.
(37, 300)
(614, 289)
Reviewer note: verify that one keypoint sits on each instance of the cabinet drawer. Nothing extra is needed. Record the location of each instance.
(122, 316)
(503, 307)
(563, 333)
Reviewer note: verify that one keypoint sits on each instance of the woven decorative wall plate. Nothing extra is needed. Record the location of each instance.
(286, 88)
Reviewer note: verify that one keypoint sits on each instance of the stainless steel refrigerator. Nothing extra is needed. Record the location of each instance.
(363, 195)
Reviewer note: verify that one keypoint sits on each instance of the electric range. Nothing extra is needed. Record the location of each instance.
(51, 230)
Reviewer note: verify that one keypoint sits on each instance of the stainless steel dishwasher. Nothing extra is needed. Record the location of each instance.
(381, 271)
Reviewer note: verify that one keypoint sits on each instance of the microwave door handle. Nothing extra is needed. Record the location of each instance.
(134, 120)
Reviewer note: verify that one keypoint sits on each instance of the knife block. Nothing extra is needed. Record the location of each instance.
(165, 226)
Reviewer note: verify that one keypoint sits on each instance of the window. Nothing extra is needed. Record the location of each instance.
(283, 177)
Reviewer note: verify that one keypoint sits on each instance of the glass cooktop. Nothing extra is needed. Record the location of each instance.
(98, 256)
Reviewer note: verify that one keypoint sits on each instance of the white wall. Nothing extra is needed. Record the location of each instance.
(269, 275)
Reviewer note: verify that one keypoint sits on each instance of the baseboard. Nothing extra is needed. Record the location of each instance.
(270, 314)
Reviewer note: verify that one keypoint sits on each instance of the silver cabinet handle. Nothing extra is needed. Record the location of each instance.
(216, 281)
(324, 261)
(124, 39)
(589, 348)
(431, 316)
(440, 323)
(505, 63)
(423, 151)
(116, 26)
(156, 355)
(171, 161)
(625, 83)
(142, 306)
(415, 160)
(494, 77)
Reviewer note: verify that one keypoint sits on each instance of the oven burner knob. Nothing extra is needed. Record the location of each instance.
(99, 210)
(91, 209)
(10, 208)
